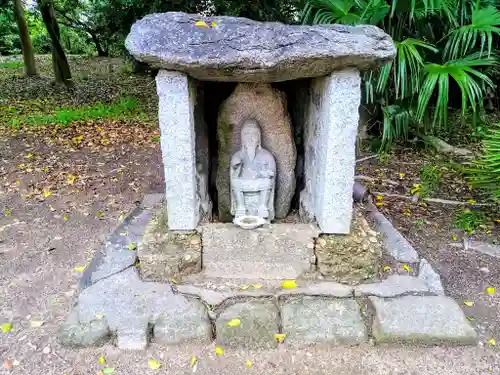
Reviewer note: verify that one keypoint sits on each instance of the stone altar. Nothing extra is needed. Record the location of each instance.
(239, 50)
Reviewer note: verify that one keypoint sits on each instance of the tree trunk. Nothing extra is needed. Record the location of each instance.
(60, 63)
(100, 51)
(24, 35)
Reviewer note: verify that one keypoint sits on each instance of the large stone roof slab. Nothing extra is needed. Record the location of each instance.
(241, 50)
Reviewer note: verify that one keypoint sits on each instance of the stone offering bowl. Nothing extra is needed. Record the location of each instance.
(249, 222)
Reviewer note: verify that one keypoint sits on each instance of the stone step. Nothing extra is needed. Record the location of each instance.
(275, 251)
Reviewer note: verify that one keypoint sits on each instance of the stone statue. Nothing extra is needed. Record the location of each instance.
(252, 175)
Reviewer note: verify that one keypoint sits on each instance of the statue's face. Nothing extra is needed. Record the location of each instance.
(250, 137)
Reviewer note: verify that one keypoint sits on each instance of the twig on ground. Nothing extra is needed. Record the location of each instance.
(371, 179)
(366, 158)
(432, 200)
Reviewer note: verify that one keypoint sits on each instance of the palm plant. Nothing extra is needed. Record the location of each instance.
(441, 44)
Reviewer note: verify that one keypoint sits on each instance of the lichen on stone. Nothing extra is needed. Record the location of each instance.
(352, 258)
(166, 254)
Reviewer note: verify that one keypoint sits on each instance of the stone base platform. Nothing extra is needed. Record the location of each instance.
(239, 309)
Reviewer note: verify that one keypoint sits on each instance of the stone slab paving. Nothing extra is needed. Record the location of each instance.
(258, 323)
(309, 320)
(421, 320)
(394, 285)
(430, 277)
(275, 251)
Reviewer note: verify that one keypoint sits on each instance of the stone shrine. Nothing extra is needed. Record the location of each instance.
(321, 65)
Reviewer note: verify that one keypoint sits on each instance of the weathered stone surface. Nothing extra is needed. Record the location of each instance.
(242, 50)
(153, 200)
(326, 289)
(351, 258)
(430, 277)
(485, 248)
(214, 298)
(165, 254)
(310, 320)
(116, 254)
(73, 334)
(188, 322)
(268, 106)
(258, 324)
(130, 305)
(276, 251)
(177, 103)
(421, 320)
(394, 242)
(394, 285)
(330, 137)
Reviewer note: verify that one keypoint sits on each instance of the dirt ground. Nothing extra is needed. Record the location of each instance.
(61, 195)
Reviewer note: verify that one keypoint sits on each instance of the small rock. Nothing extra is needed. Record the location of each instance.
(46, 350)
(484, 270)
(321, 242)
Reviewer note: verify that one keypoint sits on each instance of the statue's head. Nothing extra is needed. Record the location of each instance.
(250, 135)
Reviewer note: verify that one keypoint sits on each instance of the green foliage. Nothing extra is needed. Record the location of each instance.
(486, 171)
(444, 56)
(430, 177)
(124, 108)
(469, 220)
(11, 65)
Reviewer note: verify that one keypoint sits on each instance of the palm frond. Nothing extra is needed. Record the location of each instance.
(397, 122)
(485, 22)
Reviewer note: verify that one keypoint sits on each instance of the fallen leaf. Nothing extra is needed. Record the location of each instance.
(47, 193)
(65, 218)
(36, 323)
(219, 350)
(80, 268)
(244, 287)
(380, 197)
(193, 361)
(471, 201)
(213, 24)
(31, 156)
(257, 286)
(201, 24)
(406, 268)
(121, 218)
(468, 303)
(70, 180)
(289, 284)
(101, 360)
(99, 316)
(280, 337)
(454, 238)
(490, 290)
(470, 318)
(386, 268)
(154, 365)
(173, 281)
(7, 364)
(99, 214)
(234, 323)
(123, 234)
(52, 209)
(108, 370)
(6, 327)
(492, 342)
(132, 246)
(401, 175)
(248, 363)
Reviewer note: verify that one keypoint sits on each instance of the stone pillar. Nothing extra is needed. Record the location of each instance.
(330, 136)
(177, 96)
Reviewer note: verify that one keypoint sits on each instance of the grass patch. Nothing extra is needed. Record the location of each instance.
(125, 108)
(11, 65)
(469, 220)
(430, 177)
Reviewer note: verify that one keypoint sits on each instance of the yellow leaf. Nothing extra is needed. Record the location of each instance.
(193, 361)
(71, 179)
(401, 175)
(244, 287)
(173, 281)
(289, 284)
(219, 350)
(380, 197)
(470, 318)
(490, 290)
(454, 238)
(471, 201)
(386, 268)
(52, 209)
(378, 204)
(124, 234)
(497, 220)
(132, 246)
(468, 303)
(47, 193)
(101, 360)
(280, 337)
(30, 156)
(213, 24)
(201, 24)
(154, 365)
(234, 323)
(80, 269)
(99, 316)
(99, 214)
(492, 342)
(406, 268)
(248, 363)
(108, 370)
(65, 218)
(6, 327)
(257, 286)
(121, 218)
